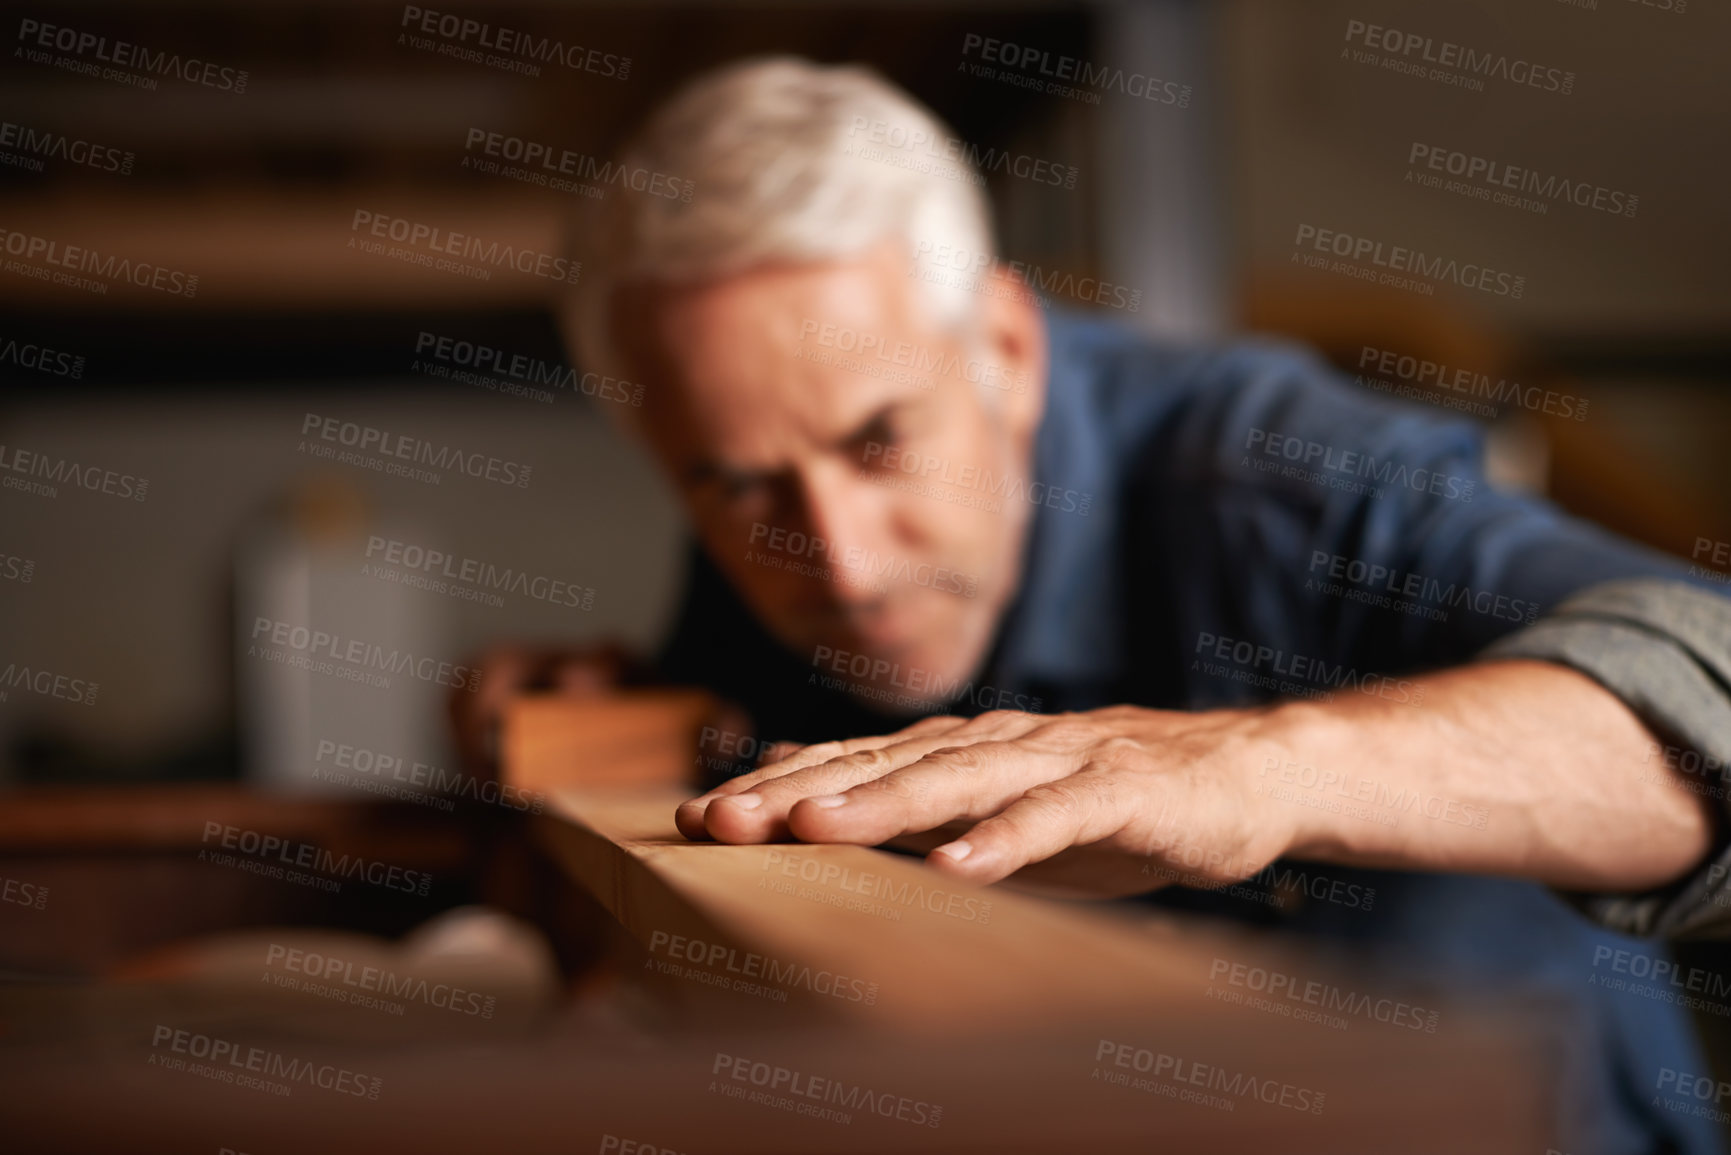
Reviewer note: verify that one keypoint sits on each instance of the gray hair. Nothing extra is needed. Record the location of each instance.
(785, 161)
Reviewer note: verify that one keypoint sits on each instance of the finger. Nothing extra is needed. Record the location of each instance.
(928, 840)
(721, 741)
(992, 726)
(804, 757)
(584, 677)
(949, 783)
(1075, 811)
(745, 820)
(760, 813)
(690, 815)
(780, 751)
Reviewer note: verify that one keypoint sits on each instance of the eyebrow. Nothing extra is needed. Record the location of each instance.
(708, 471)
(705, 472)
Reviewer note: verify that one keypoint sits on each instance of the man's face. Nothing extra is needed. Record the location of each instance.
(857, 469)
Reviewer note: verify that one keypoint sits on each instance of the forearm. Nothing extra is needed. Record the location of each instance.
(1518, 768)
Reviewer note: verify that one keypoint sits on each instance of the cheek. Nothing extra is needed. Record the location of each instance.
(963, 542)
(731, 546)
(928, 529)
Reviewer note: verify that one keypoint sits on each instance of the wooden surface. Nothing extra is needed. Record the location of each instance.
(999, 1020)
(922, 938)
(1049, 981)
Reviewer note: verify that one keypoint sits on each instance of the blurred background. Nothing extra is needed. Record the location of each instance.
(149, 595)
(204, 313)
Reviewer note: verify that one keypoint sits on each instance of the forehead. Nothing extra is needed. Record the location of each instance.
(752, 369)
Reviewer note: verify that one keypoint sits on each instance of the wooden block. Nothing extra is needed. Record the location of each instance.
(636, 738)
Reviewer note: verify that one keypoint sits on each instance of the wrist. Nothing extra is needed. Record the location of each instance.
(1299, 760)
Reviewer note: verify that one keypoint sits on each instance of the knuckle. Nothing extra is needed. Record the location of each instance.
(896, 786)
(1065, 731)
(1081, 793)
(934, 722)
(1119, 748)
(865, 763)
(961, 760)
(991, 724)
(818, 752)
(740, 783)
(1052, 796)
(796, 783)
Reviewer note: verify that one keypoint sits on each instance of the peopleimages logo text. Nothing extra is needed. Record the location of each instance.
(370, 439)
(1027, 58)
(1374, 576)
(469, 571)
(359, 655)
(41, 142)
(1404, 371)
(110, 268)
(35, 35)
(433, 239)
(551, 160)
(377, 980)
(1496, 175)
(61, 471)
(48, 684)
(1417, 49)
(257, 1060)
(1400, 259)
(524, 49)
(40, 358)
(1356, 464)
(309, 856)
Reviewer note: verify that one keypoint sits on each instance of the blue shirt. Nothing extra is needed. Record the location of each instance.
(1225, 526)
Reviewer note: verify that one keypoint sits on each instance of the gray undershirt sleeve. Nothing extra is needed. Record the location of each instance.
(1664, 648)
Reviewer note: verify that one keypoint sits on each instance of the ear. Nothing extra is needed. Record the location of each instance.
(1014, 329)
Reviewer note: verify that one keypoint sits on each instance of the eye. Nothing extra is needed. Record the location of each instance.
(740, 489)
(743, 495)
(885, 430)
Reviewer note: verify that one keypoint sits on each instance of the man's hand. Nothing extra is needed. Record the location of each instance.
(1081, 804)
(1516, 768)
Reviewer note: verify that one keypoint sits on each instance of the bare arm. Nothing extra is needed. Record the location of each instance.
(1562, 772)
(1518, 768)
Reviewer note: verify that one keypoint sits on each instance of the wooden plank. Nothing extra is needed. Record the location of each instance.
(886, 918)
(1051, 982)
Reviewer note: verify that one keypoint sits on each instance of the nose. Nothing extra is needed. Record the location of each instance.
(851, 515)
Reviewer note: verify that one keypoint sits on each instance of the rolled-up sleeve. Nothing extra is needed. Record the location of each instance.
(1664, 648)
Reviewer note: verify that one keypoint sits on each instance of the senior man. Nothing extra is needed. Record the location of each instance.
(1238, 611)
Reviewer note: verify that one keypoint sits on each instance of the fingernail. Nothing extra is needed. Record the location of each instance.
(828, 801)
(954, 851)
(743, 801)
